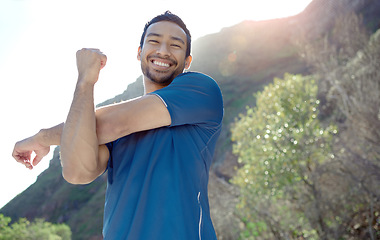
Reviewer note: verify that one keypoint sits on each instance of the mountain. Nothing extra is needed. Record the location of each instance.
(242, 59)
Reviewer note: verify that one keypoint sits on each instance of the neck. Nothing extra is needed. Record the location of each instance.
(150, 86)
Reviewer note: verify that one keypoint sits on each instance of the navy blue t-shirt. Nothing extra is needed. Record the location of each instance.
(157, 179)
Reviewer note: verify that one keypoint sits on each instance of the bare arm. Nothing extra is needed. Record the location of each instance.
(83, 155)
(139, 114)
(112, 122)
(80, 157)
(79, 144)
(39, 143)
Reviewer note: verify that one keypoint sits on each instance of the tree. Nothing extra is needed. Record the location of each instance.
(39, 229)
(347, 62)
(281, 144)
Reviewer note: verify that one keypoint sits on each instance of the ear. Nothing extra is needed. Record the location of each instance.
(139, 54)
(188, 62)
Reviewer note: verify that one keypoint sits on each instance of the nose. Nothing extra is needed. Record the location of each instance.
(163, 50)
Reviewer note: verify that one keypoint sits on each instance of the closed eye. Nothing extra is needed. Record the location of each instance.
(153, 41)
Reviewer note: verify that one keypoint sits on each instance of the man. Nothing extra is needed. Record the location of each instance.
(157, 149)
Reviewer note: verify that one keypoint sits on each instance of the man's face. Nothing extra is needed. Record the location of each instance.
(163, 56)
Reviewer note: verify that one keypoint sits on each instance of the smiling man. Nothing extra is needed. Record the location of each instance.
(157, 149)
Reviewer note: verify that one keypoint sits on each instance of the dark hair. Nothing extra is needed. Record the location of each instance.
(170, 17)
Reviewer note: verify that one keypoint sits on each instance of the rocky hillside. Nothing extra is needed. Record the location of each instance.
(242, 59)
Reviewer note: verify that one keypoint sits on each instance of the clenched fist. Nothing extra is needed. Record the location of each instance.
(89, 62)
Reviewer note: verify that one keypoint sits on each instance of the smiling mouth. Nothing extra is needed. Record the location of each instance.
(161, 64)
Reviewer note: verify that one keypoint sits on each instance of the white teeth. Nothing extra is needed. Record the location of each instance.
(161, 64)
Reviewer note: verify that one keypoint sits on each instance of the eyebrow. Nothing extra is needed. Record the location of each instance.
(172, 37)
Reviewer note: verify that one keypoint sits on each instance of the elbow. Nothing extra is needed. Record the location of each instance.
(75, 174)
(76, 178)
(70, 178)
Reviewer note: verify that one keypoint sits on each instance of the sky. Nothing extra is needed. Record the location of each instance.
(38, 42)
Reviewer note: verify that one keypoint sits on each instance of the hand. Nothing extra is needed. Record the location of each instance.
(23, 150)
(89, 62)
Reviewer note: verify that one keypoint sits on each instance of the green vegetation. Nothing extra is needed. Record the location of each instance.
(301, 178)
(37, 230)
(281, 143)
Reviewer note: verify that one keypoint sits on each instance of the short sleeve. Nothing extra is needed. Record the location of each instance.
(193, 98)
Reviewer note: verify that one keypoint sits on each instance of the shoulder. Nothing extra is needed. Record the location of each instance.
(192, 83)
(193, 98)
(195, 76)
(196, 80)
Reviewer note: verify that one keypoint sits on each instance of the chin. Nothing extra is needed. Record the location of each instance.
(161, 79)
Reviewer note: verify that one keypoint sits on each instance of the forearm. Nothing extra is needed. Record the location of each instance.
(79, 143)
(51, 136)
(39, 144)
(77, 136)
